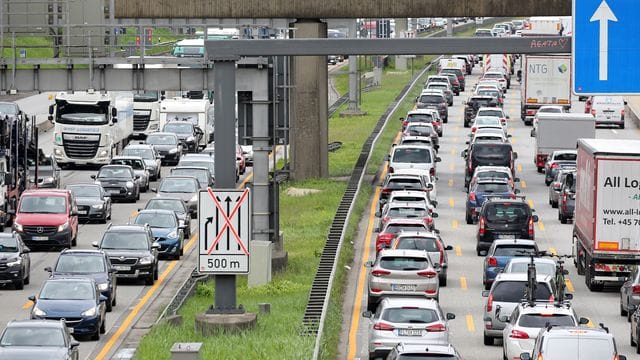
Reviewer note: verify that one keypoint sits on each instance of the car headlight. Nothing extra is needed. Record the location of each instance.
(63, 226)
(129, 184)
(146, 260)
(57, 152)
(103, 153)
(173, 234)
(103, 286)
(38, 312)
(14, 262)
(173, 151)
(17, 226)
(97, 206)
(90, 312)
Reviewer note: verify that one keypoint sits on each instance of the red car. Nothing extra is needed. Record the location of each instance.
(47, 218)
(393, 227)
(240, 161)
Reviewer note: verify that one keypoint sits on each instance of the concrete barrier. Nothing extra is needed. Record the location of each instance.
(632, 109)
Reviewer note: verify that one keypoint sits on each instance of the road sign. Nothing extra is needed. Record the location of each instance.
(605, 47)
(224, 218)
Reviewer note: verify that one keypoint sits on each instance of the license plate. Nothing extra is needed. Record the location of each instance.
(122, 267)
(82, 212)
(114, 191)
(506, 236)
(402, 287)
(409, 332)
(40, 238)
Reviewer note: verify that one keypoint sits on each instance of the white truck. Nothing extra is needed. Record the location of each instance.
(543, 25)
(146, 113)
(90, 127)
(561, 131)
(198, 111)
(547, 81)
(606, 233)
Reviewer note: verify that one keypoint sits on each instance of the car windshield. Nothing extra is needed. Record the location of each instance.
(507, 213)
(179, 127)
(492, 188)
(115, 172)
(575, 348)
(551, 110)
(183, 185)
(403, 198)
(420, 118)
(438, 86)
(418, 356)
(544, 320)
(161, 139)
(484, 121)
(124, 240)
(33, 336)
(419, 130)
(67, 290)
(565, 157)
(43, 205)
(496, 113)
(476, 103)
(163, 204)
(85, 191)
(541, 268)
(8, 244)
(492, 151)
(406, 212)
(514, 291)
(418, 243)
(489, 92)
(412, 155)
(493, 175)
(147, 96)
(205, 164)
(156, 220)
(143, 153)
(10, 109)
(201, 175)
(403, 263)
(410, 315)
(404, 184)
(135, 164)
(431, 99)
(396, 228)
(514, 250)
(423, 141)
(80, 264)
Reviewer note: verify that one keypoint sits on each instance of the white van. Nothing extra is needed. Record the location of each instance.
(608, 110)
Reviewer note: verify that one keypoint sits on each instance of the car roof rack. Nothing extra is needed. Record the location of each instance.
(604, 327)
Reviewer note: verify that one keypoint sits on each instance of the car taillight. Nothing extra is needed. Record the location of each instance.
(383, 326)
(441, 254)
(436, 328)
(472, 196)
(428, 220)
(530, 226)
(552, 298)
(405, 123)
(432, 171)
(430, 274)
(380, 273)
(593, 111)
(635, 289)
(622, 112)
(517, 334)
(390, 170)
(557, 186)
(386, 191)
(490, 303)
(503, 120)
(492, 261)
(481, 230)
(473, 130)
(555, 165)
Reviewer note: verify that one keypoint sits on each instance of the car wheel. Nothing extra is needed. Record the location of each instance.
(181, 251)
(74, 241)
(488, 340)
(372, 303)
(554, 204)
(487, 286)
(149, 280)
(27, 280)
(96, 335)
(623, 312)
(443, 280)
(109, 217)
(622, 126)
(631, 341)
(103, 326)
(540, 169)
(109, 306)
(547, 182)
(19, 284)
(155, 273)
(563, 219)
(468, 218)
(629, 316)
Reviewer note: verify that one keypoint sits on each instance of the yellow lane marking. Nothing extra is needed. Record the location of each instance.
(569, 285)
(454, 224)
(452, 166)
(453, 151)
(27, 305)
(513, 140)
(455, 139)
(458, 250)
(519, 167)
(451, 202)
(523, 184)
(450, 183)
(530, 202)
(470, 326)
(590, 324)
(540, 225)
(553, 251)
(463, 283)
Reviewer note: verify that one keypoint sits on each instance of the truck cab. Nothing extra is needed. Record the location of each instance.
(146, 113)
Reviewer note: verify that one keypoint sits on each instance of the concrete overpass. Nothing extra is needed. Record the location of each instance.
(325, 9)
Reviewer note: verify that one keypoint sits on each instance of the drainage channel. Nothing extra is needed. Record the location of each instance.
(315, 312)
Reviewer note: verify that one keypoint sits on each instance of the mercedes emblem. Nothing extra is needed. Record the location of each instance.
(40, 229)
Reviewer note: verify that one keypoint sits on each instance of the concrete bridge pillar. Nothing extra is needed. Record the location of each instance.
(309, 125)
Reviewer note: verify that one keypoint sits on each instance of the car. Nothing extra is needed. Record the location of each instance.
(453, 80)
(241, 164)
(431, 186)
(526, 320)
(494, 172)
(38, 339)
(413, 157)
(507, 291)
(416, 140)
(434, 99)
(47, 218)
(608, 110)
(490, 153)
(446, 89)
(393, 182)
(149, 154)
(559, 160)
(202, 160)
(401, 273)
(166, 229)
(494, 111)
(493, 92)
(428, 241)
(519, 265)
(499, 254)
(482, 189)
(424, 116)
(139, 169)
(93, 202)
(567, 198)
(15, 262)
(555, 187)
(76, 300)
(395, 226)
(634, 327)
(474, 104)
(457, 72)
(490, 122)
(201, 173)
(189, 134)
(167, 145)
(483, 33)
(423, 129)
(119, 181)
(406, 210)
(496, 75)
(177, 206)
(418, 320)
(630, 293)
(48, 171)
(132, 251)
(414, 196)
(574, 343)
(247, 152)
(424, 351)
(488, 135)
(93, 264)
(504, 218)
(183, 187)
(546, 109)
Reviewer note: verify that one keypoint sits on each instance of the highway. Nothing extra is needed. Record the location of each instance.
(462, 296)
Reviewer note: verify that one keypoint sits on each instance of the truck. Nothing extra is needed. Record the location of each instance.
(198, 111)
(90, 127)
(146, 113)
(561, 131)
(543, 25)
(547, 81)
(606, 232)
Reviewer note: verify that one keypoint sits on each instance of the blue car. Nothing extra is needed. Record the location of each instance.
(499, 254)
(76, 300)
(484, 188)
(167, 231)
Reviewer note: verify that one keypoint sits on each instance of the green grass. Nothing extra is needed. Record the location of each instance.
(36, 46)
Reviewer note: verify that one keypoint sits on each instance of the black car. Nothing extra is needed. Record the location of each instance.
(38, 339)
(473, 104)
(93, 202)
(490, 153)
(434, 99)
(177, 206)
(15, 262)
(167, 145)
(88, 263)
(119, 181)
(189, 134)
(504, 218)
(458, 73)
(48, 171)
(132, 251)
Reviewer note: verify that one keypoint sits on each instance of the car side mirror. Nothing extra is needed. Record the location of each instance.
(509, 136)
(434, 215)
(103, 298)
(451, 316)
(485, 293)
(32, 298)
(377, 230)
(535, 218)
(137, 177)
(367, 314)
(438, 159)
(48, 269)
(430, 186)
(74, 343)
(154, 190)
(94, 244)
(516, 179)
(467, 142)
(155, 245)
(568, 296)
(508, 117)
(517, 191)
(377, 214)
(515, 155)
(434, 203)
(26, 250)
(448, 247)
(525, 356)
(93, 177)
(387, 157)
(368, 264)
(583, 321)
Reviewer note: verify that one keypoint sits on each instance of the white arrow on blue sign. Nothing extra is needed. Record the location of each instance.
(606, 47)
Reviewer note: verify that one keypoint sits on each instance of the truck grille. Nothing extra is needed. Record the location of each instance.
(125, 261)
(40, 230)
(81, 149)
(141, 122)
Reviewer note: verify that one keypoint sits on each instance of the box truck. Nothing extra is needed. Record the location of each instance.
(561, 131)
(547, 81)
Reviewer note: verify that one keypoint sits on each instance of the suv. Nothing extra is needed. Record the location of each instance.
(428, 241)
(473, 104)
(434, 99)
(457, 72)
(499, 254)
(132, 251)
(567, 198)
(490, 153)
(149, 155)
(119, 181)
(483, 188)
(574, 343)
(504, 218)
(426, 351)
(188, 133)
(166, 229)
(33, 339)
(15, 262)
(413, 157)
(47, 218)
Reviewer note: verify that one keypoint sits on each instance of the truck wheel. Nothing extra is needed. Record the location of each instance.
(540, 169)
(577, 259)
(563, 219)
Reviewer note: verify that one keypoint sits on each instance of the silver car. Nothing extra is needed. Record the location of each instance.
(185, 188)
(399, 320)
(413, 157)
(402, 273)
(139, 169)
(149, 154)
(429, 242)
(519, 265)
(555, 187)
(630, 293)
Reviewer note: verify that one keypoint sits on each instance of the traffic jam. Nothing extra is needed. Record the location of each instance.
(524, 308)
